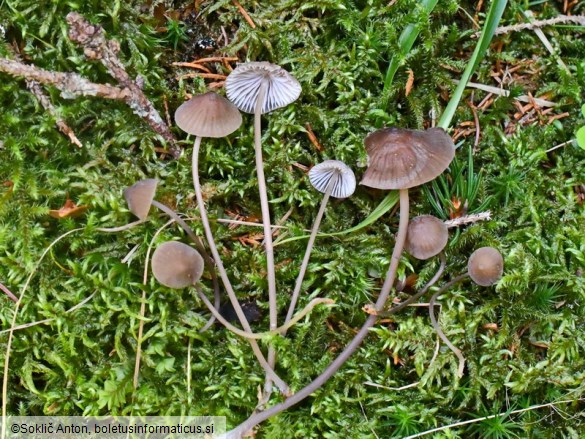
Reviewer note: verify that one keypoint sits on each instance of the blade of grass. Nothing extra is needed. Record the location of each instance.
(489, 28)
(387, 203)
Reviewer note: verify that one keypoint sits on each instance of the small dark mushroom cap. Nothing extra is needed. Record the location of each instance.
(400, 159)
(243, 86)
(320, 175)
(139, 196)
(176, 265)
(485, 266)
(426, 237)
(208, 115)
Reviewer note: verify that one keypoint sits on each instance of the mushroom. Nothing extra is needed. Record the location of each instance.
(333, 178)
(485, 266)
(261, 87)
(211, 115)
(400, 159)
(176, 265)
(426, 237)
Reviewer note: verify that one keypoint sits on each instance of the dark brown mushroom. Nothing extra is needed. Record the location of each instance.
(400, 159)
(485, 266)
(176, 265)
(426, 237)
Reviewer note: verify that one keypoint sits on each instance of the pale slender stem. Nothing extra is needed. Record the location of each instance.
(305, 263)
(438, 329)
(260, 335)
(121, 228)
(352, 346)
(223, 274)
(264, 207)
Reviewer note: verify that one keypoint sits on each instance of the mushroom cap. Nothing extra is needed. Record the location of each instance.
(400, 159)
(139, 196)
(176, 265)
(426, 237)
(320, 175)
(208, 115)
(243, 86)
(485, 266)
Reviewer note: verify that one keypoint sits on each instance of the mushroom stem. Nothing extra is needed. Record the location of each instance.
(223, 274)
(121, 228)
(259, 335)
(264, 207)
(352, 346)
(305, 263)
(438, 329)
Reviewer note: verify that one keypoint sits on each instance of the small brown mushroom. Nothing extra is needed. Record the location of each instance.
(426, 237)
(208, 115)
(400, 159)
(139, 197)
(176, 265)
(485, 266)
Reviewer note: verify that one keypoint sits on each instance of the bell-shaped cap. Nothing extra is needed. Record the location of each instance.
(426, 237)
(139, 196)
(208, 115)
(400, 159)
(243, 86)
(176, 265)
(485, 266)
(344, 179)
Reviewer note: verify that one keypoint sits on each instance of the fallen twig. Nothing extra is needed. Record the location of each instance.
(8, 293)
(561, 19)
(244, 14)
(501, 92)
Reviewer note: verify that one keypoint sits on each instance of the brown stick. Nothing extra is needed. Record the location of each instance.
(96, 47)
(244, 14)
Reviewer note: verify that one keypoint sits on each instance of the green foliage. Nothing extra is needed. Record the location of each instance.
(341, 51)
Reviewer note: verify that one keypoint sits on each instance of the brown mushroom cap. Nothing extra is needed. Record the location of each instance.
(208, 115)
(243, 86)
(400, 159)
(485, 266)
(176, 265)
(139, 196)
(426, 237)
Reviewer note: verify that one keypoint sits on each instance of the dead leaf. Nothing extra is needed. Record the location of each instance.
(409, 82)
(69, 209)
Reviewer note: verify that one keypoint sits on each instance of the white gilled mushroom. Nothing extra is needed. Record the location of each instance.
(211, 115)
(333, 178)
(261, 87)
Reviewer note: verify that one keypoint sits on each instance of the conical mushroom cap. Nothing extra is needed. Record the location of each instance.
(243, 86)
(139, 196)
(400, 158)
(176, 265)
(320, 175)
(485, 266)
(426, 237)
(208, 115)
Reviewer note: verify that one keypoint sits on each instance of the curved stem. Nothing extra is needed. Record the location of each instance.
(421, 293)
(223, 274)
(352, 346)
(438, 329)
(259, 335)
(314, 230)
(264, 206)
(121, 228)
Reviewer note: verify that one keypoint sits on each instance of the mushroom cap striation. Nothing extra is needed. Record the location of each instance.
(139, 196)
(176, 265)
(400, 159)
(426, 237)
(243, 86)
(208, 115)
(320, 175)
(485, 266)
